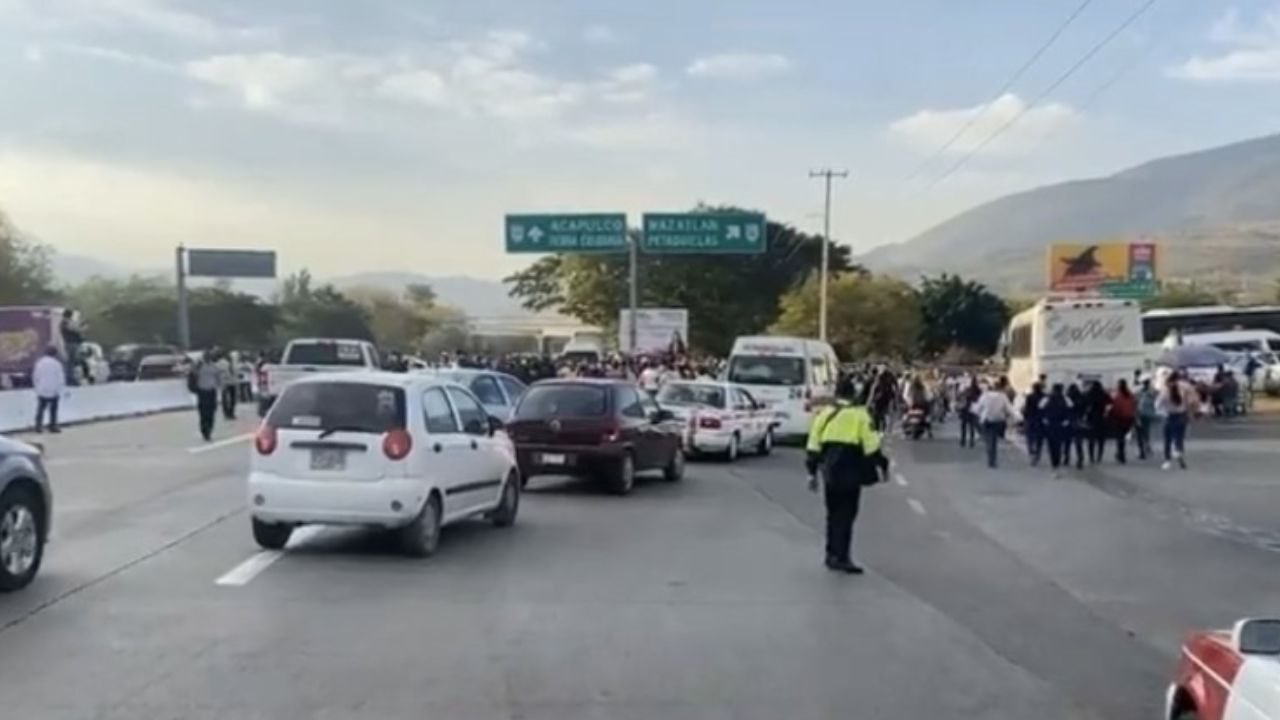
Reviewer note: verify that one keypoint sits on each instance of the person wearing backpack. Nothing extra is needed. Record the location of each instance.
(1121, 416)
(205, 380)
(844, 448)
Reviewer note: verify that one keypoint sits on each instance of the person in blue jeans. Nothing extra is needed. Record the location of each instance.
(968, 397)
(1175, 403)
(994, 411)
(1055, 417)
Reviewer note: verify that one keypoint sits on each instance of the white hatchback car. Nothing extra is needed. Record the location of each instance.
(406, 452)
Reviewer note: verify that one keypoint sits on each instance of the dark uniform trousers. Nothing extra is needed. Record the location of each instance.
(842, 499)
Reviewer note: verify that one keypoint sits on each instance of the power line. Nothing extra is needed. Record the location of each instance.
(1008, 84)
(1045, 93)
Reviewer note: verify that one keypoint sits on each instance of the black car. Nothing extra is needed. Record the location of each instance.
(603, 429)
(125, 359)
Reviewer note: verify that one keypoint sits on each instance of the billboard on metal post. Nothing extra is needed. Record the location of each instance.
(658, 330)
(231, 263)
(1127, 270)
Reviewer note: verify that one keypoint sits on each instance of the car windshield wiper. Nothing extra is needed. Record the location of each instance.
(326, 432)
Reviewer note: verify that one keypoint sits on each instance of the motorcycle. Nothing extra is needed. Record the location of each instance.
(916, 423)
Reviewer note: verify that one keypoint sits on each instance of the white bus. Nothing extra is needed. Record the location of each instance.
(791, 375)
(1075, 341)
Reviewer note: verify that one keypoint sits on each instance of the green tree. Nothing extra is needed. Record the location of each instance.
(869, 316)
(1183, 294)
(726, 295)
(961, 314)
(307, 311)
(397, 323)
(26, 272)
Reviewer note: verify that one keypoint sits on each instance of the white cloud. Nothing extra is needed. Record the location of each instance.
(114, 55)
(33, 54)
(599, 35)
(628, 84)
(425, 87)
(165, 18)
(929, 129)
(739, 66)
(1252, 52)
(261, 80)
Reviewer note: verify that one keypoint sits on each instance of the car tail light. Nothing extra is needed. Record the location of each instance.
(611, 434)
(265, 440)
(396, 444)
(709, 422)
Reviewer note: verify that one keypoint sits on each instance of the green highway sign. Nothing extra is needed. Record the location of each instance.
(581, 233)
(704, 233)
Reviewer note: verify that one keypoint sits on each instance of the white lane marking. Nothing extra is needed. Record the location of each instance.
(900, 480)
(916, 506)
(251, 568)
(219, 444)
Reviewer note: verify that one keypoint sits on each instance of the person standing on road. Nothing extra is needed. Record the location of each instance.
(48, 379)
(1146, 417)
(205, 381)
(1175, 403)
(968, 397)
(994, 410)
(1096, 401)
(1055, 418)
(1121, 417)
(228, 390)
(1075, 399)
(1032, 422)
(845, 449)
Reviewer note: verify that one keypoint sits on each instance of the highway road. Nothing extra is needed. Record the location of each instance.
(1004, 594)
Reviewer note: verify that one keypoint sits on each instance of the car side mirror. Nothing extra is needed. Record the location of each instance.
(1256, 636)
(495, 424)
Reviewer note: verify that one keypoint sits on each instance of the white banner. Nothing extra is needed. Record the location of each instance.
(658, 331)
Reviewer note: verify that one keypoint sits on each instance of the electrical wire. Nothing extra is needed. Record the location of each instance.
(1008, 84)
(1045, 93)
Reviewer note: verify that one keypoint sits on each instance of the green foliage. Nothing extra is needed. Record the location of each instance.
(1185, 294)
(26, 275)
(306, 311)
(726, 295)
(961, 314)
(869, 316)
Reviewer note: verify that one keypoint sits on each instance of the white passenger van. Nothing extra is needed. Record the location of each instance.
(790, 375)
(1075, 341)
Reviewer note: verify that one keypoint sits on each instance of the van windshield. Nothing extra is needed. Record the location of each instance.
(766, 370)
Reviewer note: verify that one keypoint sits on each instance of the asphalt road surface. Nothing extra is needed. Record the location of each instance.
(1004, 594)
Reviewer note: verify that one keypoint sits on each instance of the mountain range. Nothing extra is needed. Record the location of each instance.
(1215, 213)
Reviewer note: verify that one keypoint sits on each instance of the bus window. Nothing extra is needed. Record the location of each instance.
(1020, 342)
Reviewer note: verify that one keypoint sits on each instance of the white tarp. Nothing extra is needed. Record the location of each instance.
(657, 330)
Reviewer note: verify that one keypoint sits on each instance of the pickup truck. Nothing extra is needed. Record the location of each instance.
(312, 355)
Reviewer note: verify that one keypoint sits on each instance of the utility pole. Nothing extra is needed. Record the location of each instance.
(184, 321)
(633, 289)
(826, 174)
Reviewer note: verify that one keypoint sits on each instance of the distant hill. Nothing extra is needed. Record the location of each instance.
(1215, 211)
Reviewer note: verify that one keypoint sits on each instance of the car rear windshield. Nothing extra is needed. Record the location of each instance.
(766, 370)
(542, 401)
(678, 394)
(325, 353)
(350, 407)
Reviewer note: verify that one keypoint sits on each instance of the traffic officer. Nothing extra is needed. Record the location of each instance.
(845, 447)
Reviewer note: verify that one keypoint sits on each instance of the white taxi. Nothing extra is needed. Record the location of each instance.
(405, 452)
(1228, 674)
(720, 418)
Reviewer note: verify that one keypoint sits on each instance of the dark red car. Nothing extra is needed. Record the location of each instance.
(605, 429)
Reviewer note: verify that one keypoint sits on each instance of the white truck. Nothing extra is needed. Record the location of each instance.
(305, 356)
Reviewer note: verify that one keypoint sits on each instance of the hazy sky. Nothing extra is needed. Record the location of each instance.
(394, 134)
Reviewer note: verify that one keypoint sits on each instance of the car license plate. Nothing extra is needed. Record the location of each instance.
(328, 459)
(554, 459)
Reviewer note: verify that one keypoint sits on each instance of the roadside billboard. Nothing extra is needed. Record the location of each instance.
(1122, 270)
(658, 330)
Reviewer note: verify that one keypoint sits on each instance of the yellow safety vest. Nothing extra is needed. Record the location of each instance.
(846, 425)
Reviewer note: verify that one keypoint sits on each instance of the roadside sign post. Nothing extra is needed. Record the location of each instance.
(634, 289)
(704, 233)
(218, 264)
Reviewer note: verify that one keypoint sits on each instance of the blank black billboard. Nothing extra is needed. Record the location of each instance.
(231, 263)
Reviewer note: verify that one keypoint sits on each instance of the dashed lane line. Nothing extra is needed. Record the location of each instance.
(245, 572)
(917, 507)
(900, 480)
(219, 444)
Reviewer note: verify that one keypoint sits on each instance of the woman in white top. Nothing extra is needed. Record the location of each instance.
(995, 410)
(1176, 402)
